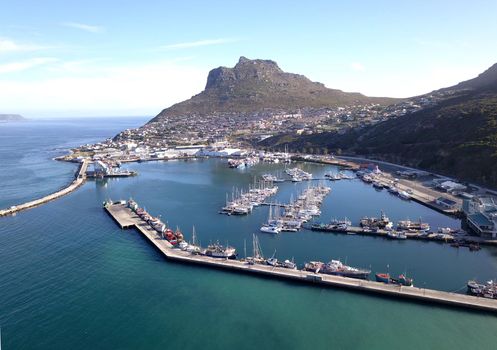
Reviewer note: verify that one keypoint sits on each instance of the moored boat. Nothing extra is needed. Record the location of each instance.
(289, 264)
(270, 229)
(382, 277)
(218, 251)
(335, 267)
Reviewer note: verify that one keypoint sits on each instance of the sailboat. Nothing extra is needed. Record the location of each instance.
(272, 261)
(193, 247)
(270, 227)
(257, 257)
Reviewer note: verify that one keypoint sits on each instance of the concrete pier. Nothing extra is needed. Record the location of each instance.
(128, 219)
(80, 178)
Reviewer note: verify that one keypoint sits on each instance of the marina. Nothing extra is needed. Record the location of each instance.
(297, 212)
(242, 203)
(127, 219)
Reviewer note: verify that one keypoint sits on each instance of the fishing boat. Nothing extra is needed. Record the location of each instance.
(485, 290)
(401, 280)
(335, 267)
(382, 223)
(216, 250)
(313, 266)
(382, 277)
(413, 225)
(289, 264)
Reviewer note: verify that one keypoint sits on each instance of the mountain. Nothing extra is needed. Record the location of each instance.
(11, 117)
(457, 136)
(485, 81)
(256, 85)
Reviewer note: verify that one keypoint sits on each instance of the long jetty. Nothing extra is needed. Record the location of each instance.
(80, 178)
(126, 218)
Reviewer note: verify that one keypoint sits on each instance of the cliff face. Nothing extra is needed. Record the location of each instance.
(255, 85)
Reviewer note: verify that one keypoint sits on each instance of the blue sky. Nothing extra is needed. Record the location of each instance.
(68, 58)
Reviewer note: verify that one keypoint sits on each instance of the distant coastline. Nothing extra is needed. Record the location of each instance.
(4, 118)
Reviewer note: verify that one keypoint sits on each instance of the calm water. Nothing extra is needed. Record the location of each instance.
(71, 279)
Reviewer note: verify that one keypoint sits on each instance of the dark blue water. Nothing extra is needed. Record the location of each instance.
(71, 279)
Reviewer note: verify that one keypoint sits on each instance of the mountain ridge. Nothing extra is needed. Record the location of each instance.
(255, 85)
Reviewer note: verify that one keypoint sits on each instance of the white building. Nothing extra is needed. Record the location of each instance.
(481, 216)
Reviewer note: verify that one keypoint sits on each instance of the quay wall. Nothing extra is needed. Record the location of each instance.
(127, 219)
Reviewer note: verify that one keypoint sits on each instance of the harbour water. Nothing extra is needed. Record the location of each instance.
(70, 278)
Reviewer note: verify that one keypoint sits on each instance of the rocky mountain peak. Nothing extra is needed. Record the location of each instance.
(244, 70)
(252, 86)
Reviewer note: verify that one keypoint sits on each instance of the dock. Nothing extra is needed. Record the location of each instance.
(79, 179)
(357, 230)
(126, 218)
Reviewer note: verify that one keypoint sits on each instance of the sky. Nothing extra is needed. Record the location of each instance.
(119, 58)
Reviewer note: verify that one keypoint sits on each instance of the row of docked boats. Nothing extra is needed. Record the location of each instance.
(400, 280)
(243, 162)
(403, 230)
(173, 237)
(298, 175)
(242, 203)
(216, 250)
(337, 268)
(341, 175)
(485, 290)
(258, 258)
(372, 178)
(272, 178)
(176, 238)
(297, 212)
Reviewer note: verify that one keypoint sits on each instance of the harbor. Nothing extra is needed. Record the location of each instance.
(126, 218)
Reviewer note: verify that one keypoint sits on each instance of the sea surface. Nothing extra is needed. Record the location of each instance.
(71, 279)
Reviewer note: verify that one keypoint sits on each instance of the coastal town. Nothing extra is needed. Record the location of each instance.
(225, 136)
(176, 136)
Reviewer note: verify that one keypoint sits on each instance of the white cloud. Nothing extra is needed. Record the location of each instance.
(85, 27)
(358, 67)
(106, 90)
(207, 42)
(8, 46)
(25, 64)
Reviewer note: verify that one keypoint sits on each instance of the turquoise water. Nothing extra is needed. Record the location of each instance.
(71, 279)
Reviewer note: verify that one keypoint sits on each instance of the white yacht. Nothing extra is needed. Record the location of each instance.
(270, 229)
